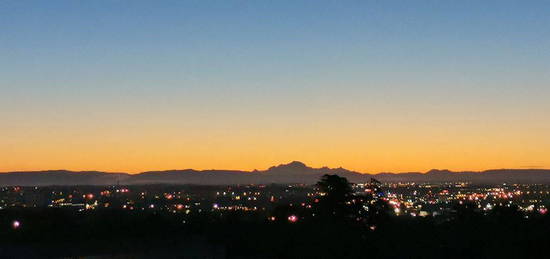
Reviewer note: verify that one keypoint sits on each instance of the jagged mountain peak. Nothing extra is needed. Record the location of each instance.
(290, 166)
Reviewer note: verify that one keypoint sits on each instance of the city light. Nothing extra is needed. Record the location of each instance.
(292, 218)
(15, 224)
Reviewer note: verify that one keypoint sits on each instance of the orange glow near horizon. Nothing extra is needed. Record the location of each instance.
(374, 86)
(362, 149)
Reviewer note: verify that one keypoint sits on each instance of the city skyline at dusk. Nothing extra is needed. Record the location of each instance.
(274, 129)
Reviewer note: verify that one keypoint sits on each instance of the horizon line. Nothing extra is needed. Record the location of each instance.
(283, 164)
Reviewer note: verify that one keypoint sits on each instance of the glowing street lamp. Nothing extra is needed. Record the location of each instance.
(15, 224)
(292, 218)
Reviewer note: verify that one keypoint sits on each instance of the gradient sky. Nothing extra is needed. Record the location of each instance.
(367, 85)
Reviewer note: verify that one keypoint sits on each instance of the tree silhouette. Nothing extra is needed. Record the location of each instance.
(338, 203)
(335, 188)
(336, 195)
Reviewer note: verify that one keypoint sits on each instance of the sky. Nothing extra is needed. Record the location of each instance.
(371, 86)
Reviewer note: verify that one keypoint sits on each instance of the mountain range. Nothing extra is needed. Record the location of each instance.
(294, 172)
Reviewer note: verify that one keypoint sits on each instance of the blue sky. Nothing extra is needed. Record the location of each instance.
(244, 66)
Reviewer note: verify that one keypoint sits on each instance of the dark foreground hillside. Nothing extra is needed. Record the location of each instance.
(49, 233)
(339, 223)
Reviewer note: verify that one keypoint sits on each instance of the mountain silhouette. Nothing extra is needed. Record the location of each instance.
(60, 177)
(293, 172)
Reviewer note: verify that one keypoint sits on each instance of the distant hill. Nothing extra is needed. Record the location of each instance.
(60, 177)
(294, 172)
